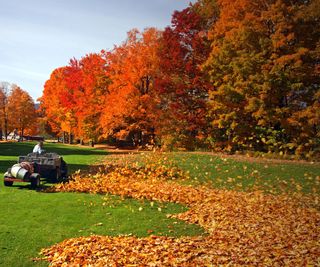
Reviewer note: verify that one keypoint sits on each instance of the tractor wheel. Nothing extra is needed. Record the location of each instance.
(35, 180)
(7, 183)
(54, 176)
(64, 170)
(58, 175)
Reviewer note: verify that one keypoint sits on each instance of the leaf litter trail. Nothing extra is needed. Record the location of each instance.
(243, 228)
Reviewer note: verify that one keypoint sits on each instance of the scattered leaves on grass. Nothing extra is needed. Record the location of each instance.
(243, 228)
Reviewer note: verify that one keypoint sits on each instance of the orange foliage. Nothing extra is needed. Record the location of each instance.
(21, 112)
(56, 102)
(226, 74)
(131, 103)
(72, 97)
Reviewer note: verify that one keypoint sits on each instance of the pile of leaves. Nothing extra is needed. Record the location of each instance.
(138, 183)
(243, 228)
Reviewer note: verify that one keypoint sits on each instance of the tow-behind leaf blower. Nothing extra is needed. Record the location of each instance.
(22, 172)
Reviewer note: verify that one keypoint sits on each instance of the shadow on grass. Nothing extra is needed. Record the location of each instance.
(6, 164)
(15, 149)
(24, 148)
(76, 151)
(27, 186)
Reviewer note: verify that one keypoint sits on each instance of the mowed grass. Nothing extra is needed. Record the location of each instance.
(246, 174)
(31, 219)
(234, 173)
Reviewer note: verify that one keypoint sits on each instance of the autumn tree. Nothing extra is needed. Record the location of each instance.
(49, 104)
(240, 74)
(57, 103)
(304, 122)
(21, 111)
(72, 97)
(262, 66)
(131, 109)
(89, 97)
(182, 84)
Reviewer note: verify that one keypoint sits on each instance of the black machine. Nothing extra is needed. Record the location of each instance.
(33, 166)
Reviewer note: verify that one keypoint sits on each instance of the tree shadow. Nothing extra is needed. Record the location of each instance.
(64, 151)
(24, 148)
(15, 149)
(6, 164)
(27, 186)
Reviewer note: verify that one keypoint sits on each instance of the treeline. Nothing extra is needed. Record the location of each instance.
(226, 75)
(18, 114)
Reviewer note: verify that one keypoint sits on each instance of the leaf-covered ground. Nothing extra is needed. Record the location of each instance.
(243, 228)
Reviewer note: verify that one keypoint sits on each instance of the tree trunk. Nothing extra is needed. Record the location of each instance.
(70, 138)
(6, 128)
(22, 132)
(64, 137)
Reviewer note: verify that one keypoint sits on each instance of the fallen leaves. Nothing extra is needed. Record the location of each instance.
(136, 183)
(126, 251)
(243, 228)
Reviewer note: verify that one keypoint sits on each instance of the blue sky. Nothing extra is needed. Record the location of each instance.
(37, 36)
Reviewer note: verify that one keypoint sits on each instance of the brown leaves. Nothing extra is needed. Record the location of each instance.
(125, 251)
(243, 228)
(136, 183)
(272, 229)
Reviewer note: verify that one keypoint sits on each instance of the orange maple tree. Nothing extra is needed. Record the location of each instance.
(92, 84)
(57, 103)
(21, 111)
(233, 75)
(263, 75)
(131, 103)
(72, 97)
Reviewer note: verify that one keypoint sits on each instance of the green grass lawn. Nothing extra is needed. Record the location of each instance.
(242, 174)
(31, 220)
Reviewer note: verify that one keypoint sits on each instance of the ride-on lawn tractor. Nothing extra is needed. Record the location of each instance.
(32, 167)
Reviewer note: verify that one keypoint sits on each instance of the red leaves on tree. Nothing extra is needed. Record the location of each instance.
(72, 97)
(182, 84)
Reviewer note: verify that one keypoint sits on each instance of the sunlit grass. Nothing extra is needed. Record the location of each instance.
(31, 220)
(243, 174)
